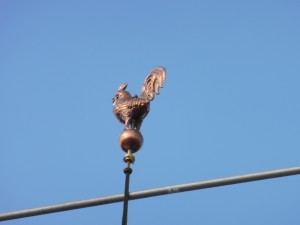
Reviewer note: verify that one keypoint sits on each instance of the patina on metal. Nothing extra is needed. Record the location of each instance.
(131, 139)
(131, 111)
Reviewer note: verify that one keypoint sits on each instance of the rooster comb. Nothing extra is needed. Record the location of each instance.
(122, 87)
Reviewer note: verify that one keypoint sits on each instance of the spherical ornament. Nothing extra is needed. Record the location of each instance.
(131, 139)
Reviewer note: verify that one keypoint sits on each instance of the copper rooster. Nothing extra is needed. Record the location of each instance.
(131, 110)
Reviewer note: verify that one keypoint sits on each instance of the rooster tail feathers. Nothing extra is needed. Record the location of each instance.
(153, 82)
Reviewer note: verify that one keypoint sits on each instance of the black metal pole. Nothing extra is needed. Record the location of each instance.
(127, 172)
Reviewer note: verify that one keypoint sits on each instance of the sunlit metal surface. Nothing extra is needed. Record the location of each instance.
(131, 110)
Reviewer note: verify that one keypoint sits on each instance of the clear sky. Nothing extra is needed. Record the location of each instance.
(230, 106)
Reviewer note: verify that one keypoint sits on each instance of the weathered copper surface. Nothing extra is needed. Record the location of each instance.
(131, 110)
(131, 139)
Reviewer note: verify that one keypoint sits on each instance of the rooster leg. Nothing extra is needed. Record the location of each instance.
(127, 123)
(138, 124)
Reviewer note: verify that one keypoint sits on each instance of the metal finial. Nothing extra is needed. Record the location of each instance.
(131, 111)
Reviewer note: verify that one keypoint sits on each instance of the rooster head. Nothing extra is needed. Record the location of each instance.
(121, 94)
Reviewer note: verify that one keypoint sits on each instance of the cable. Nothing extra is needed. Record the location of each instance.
(151, 193)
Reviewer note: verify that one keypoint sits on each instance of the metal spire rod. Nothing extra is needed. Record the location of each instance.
(151, 193)
(127, 172)
(128, 158)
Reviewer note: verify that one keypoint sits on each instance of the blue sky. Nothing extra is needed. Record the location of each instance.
(230, 106)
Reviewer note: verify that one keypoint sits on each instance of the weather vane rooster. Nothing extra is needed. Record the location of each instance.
(131, 110)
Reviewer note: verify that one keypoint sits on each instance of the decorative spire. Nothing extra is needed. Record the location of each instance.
(131, 111)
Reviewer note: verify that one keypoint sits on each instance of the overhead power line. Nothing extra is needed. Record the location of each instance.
(151, 193)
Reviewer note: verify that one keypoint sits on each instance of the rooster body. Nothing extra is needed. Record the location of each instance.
(131, 110)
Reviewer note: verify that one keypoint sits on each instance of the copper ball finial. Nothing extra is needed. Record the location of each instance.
(131, 139)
